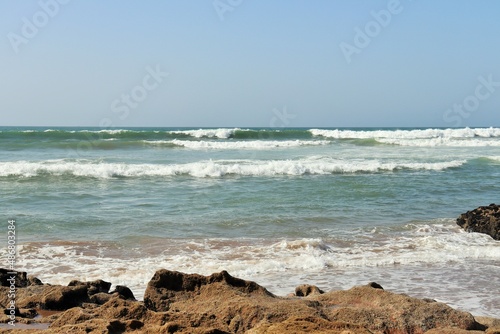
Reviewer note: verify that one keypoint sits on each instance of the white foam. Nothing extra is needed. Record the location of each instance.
(209, 133)
(441, 141)
(278, 265)
(220, 168)
(108, 131)
(408, 134)
(238, 145)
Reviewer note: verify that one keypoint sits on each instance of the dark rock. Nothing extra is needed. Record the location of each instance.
(484, 219)
(134, 324)
(64, 297)
(375, 285)
(306, 290)
(100, 298)
(32, 280)
(116, 326)
(20, 278)
(16, 312)
(23, 312)
(124, 291)
(28, 313)
(93, 287)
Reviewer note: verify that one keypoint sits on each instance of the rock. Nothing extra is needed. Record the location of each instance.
(451, 330)
(167, 286)
(484, 219)
(305, 290)
(375, 285)
(115, 316)
(383, 311)
(492, 325)
(93, 287)
(100, 298)
(56, 297)
(64, 297)
(181, 303)
(32, 280)
(124, 291)
(19, 278)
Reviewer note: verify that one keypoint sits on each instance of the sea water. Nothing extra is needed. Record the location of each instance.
(330, 207)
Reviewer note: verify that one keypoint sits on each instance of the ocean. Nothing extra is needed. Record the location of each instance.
(281, 206)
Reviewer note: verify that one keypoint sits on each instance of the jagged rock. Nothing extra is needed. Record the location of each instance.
(375, 285)
(64, 297)
(32, 293)
(93, 287)
(100, 298)
(484, 219)
(32, 280)
(380, 310)
(166, 286)
(124, 291)
(305, 290)
(181, 303)
(20, 278)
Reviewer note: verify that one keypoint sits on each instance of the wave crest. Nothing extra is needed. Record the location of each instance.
(210, 168)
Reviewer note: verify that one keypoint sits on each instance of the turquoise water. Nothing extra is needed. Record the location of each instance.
(333, 207)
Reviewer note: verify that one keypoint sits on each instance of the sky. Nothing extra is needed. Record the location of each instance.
(242, 63)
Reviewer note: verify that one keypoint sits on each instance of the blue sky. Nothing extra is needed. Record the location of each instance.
(225, 63)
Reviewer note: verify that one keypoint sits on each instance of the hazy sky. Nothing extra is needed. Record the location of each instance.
(244, 63)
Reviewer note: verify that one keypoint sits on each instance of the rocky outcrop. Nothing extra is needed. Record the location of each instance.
(32, 293)
(175, 302)
(167, 287)
(20, 279)
(484, 219)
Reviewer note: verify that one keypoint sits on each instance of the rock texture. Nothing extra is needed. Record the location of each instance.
(175, 302)
(484, 219)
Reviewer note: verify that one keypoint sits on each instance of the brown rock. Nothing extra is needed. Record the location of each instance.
(32, 280)
(220, 303)
(93, 287)
(305, 290)
(100, 298)
(384, 311)
(484, 219)
(167, 286)
(452, 330)
(64, 297)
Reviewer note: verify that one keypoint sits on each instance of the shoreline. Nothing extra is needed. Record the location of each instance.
(278, 265)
